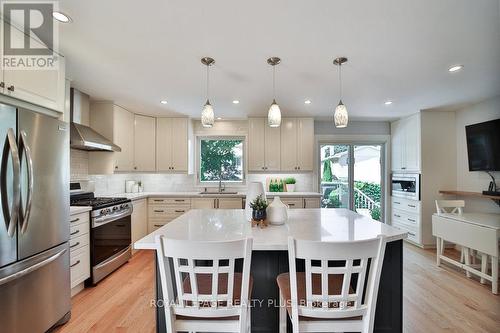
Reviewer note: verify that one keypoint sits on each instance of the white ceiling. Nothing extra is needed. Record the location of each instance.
(137, 53)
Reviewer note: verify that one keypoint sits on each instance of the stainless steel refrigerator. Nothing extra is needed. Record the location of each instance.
(34, 221)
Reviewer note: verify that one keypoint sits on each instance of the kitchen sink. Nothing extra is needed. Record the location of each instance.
(217, 193)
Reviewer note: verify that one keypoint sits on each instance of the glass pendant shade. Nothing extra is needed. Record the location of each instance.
(207, 115)
(274, 115)
(340, 117)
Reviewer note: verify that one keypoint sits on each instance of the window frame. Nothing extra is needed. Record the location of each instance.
(229, 183)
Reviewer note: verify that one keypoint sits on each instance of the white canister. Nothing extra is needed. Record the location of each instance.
(277, 212)
(290, 187)
(254, 190)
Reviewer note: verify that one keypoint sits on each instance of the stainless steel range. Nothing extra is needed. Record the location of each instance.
(110, 233)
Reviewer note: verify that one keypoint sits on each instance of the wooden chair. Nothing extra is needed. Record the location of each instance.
(456, 207)
(328, 298)
(202, 292)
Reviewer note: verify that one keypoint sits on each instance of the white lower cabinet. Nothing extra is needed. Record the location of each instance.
(79, 256)
(406, 216)
(312, 202)
(293, 203)
(163, 210)
(139, 220)
(229, 203)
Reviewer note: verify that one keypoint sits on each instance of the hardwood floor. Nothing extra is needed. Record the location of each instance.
(435, 299)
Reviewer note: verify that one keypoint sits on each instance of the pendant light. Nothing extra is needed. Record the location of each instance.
(274, 114)
(340, 117)
(207, 115)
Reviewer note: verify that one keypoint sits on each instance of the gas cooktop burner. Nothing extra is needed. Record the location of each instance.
(95, 203)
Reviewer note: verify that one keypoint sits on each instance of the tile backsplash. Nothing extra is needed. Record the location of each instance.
(158, 182)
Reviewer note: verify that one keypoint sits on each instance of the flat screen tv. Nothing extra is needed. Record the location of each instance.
(483, 146)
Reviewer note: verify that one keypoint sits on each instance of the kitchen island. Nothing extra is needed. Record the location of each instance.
(270, 257)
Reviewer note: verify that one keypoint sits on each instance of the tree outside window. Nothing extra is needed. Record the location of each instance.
(221, 159)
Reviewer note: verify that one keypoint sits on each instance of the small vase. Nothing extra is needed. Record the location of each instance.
(277, 212)
(259, 215)
(290, 187)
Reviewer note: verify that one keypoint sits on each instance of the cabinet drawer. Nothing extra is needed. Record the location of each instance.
(79, 219)
(156, 224)
(169, 201)
(411, 206)
(160, 211)
(78, 230)
(79, 261)
(406, 217)
(78, 242)
(312, 203)
(293, 202)
(413, 235)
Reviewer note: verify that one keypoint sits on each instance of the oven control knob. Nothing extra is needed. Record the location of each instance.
(103, 211)
(124, 206)
(115, 208)
(108, 210)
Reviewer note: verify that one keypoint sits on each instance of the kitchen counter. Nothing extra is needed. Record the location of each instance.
(73, 210)
(339, 225)
(270, 255)
(144, 195)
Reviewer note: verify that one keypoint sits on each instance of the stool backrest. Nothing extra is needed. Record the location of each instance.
(184, 264)
(450, 206)
(346, 263)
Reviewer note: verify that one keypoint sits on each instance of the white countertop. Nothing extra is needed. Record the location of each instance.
(143, 195)
(73, 210)
(488, 220)
(313, 224)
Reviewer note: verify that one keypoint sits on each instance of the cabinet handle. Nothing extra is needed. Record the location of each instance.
(74, 233)
(158, 225)
(412, 206)
(76, 263)
(397, 203)
(74, 245)
(10, 88)
(75, 220)
(135, 168)
(179, 200)
(411, 220)
(291, 204)
(2, 84)
(298, 167)
(116, 167)
(158, 211)
(158, 200)
(173, 168)
(411, 233)
(404, 168)
(180, 211)
(397, 215)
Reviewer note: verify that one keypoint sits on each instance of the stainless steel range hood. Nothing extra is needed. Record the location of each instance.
(82, 136)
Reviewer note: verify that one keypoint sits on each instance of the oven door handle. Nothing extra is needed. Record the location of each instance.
(106, 219)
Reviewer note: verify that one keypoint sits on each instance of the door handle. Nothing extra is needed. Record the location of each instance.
(29, 196)
(10, 214)
(30, 269)
(76, 263)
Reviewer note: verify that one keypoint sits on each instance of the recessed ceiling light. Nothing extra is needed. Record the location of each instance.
(307, 101)
(61, 17)
(236, 101)
(388, 102)
(163, 102)
(455, 68)
(219, 118)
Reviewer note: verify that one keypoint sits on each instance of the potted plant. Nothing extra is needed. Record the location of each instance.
(290, 184)
(259, 206)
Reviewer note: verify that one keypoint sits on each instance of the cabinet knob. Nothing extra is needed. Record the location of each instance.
(298, 168)
(135, 168)
(116, 166)
(10, 88)
(2, 84)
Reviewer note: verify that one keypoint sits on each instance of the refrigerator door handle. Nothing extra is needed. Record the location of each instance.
(31, 269)
(10, 214)
(24, 148)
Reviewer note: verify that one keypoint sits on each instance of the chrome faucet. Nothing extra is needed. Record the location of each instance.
(222, 186)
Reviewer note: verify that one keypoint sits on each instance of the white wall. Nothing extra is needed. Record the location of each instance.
(475, 181)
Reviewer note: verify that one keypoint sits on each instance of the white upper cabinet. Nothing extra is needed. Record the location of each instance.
(405, 144)
(297, 149)
(144, 143)
(172, 144)
(305, 144)
(123, 136)
(45, 88)
(264, 146)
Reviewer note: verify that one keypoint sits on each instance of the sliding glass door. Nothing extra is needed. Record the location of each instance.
(351, 176)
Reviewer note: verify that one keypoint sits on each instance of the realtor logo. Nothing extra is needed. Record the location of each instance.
(29, 38)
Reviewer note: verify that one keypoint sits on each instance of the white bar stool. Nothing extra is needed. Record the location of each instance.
(326, 298)
(203, 293)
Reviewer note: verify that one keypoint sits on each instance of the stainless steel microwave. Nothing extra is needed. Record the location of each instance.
(406, 185)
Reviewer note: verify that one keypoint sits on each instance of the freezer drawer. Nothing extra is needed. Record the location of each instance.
(35, 293)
